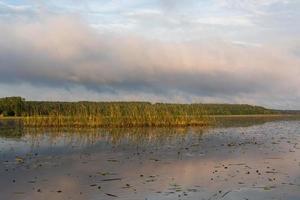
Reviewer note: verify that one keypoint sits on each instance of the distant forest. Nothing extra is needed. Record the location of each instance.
(18, 106)
(43, 113)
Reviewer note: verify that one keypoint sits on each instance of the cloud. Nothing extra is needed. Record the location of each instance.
(254, 6)
(63, 53)
(229, 21)
(9, 11)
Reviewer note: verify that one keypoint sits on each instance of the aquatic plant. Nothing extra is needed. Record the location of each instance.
(119, 114)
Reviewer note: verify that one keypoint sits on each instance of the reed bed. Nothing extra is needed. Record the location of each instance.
(118, 114)
(98, 121)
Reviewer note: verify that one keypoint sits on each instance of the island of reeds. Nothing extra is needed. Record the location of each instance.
(118, 114)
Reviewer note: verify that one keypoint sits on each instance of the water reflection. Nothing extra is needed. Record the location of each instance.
(257, 161)
(86, 137)
(246, 121)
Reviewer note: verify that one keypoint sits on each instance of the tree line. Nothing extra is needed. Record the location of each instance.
(119, 113)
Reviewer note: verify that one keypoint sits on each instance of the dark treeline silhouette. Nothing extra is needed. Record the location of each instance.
(12, 106)
(44, 113)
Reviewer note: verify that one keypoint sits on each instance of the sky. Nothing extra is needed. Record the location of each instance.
(191, 51)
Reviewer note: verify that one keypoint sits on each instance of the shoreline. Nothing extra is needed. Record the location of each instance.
(204, 116)
(85, 122)
(256, 115)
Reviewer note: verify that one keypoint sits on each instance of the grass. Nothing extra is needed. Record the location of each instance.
(123, 122)
(120, 114)
(97, 121)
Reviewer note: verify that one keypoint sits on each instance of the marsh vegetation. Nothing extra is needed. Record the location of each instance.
(119, 114)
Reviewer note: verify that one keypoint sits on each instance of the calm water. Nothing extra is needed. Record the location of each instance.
(243, 160)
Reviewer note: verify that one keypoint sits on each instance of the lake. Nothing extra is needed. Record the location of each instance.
(237, 159)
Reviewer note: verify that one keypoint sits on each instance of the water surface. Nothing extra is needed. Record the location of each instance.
(250, 159)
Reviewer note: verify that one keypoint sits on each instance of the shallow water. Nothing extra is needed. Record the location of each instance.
(253, 160)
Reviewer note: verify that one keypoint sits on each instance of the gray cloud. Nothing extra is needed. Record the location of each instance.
(63, 52)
